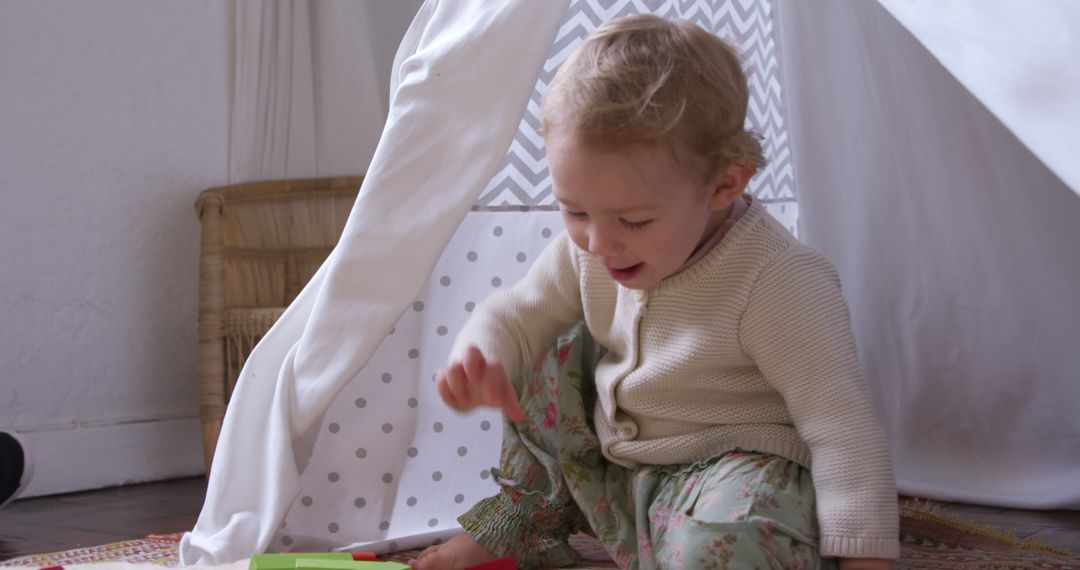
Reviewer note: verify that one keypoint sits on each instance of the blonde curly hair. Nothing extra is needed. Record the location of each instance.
(643, 79)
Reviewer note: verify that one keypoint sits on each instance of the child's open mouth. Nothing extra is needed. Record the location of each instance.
(626, 273)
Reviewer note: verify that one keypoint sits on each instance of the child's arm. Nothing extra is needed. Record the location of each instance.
(796, 328)
(508, 330)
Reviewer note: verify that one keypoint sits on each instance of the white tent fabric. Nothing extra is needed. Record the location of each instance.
(326, 336)
(957, 247)
(1019, 59)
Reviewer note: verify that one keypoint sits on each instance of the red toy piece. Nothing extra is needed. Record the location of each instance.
(500, 564)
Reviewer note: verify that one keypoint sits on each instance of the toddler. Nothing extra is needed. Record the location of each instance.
(704, 406)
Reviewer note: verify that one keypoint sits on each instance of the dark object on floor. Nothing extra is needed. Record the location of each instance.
(15, 467)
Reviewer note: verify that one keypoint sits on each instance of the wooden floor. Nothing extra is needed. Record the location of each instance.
(62, 522)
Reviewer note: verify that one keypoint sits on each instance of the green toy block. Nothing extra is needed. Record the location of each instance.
(287, 561)
(322, 564)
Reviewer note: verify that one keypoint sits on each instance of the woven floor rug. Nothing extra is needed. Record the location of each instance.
(929, 540)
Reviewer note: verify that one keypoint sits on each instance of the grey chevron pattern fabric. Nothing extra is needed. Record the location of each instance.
(522, 181)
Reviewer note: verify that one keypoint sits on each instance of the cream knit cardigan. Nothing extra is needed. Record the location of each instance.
(749, 348)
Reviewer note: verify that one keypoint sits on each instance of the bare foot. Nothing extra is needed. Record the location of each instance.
(458, 553)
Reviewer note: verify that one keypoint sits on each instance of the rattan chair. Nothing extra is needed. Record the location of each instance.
(261, 243)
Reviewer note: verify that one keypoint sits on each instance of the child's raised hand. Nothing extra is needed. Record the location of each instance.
(478, 381)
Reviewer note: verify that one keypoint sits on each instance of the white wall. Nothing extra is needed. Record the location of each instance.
(114, 115)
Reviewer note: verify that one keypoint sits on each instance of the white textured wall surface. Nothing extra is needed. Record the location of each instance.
(113, 116)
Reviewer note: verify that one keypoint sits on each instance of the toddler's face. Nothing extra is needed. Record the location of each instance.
(638, 210)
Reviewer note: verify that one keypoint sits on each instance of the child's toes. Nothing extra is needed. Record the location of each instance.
(418, 562)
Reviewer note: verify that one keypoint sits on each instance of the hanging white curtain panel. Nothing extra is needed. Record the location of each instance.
(955, 241)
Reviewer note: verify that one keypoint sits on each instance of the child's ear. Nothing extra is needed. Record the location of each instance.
(730, 183)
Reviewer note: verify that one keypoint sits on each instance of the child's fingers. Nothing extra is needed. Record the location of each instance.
(479, 381)
(477, 370)
(474, 364)
(501, 392)
(443, 387)
(511, 407)
(458, 385)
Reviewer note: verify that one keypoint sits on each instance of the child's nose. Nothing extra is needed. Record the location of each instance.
(603, 242)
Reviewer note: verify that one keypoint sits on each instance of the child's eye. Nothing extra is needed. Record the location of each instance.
(634, 225)
(576, 214)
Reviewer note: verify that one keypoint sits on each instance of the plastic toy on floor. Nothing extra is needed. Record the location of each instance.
(322, 564)
(348, 561)
(322, 561)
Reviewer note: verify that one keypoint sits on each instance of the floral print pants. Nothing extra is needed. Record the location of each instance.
(739, 509)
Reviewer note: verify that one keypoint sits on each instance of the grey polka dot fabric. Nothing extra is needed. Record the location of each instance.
(391, 460)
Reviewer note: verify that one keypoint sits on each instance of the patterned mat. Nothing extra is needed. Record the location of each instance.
(155, 549)
(929, 540)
